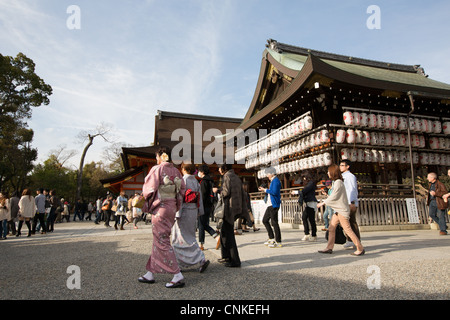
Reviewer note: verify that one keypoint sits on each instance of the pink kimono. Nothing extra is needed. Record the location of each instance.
(164, 190)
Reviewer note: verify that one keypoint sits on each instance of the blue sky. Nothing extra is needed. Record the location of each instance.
(131, 58)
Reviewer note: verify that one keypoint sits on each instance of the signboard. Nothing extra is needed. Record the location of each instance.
(259, 208)
(413, 214)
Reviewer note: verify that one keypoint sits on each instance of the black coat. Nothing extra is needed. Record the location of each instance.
(309, 192)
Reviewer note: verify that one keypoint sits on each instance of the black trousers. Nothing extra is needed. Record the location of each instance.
(228, 243)
(41, 217)
(271, 215)
(309, 214)
(353, 222)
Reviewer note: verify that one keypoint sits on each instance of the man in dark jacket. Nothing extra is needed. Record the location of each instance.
(206, 187)
(438, 206)
(234, 206)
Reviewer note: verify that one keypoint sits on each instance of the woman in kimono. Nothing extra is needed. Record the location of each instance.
(163, 190)
(184, 242)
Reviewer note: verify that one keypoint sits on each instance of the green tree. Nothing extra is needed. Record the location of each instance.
(52, 175)
(20, 90)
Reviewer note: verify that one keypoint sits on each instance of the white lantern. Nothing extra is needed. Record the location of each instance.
(380, 121)
(388, 121)
(360, 155)
(415, 158)
(348, 118)
(308, 123)
(437, 127)
(375, 155)
(366, 137)
(434, 143)
(372, 120)
(356, 118)
(382, 154)
(394, 124)
(423, 158)
(421, 141)
(381, 138)
(374, 138)
(395, 139)
(327, 160)
(402, 124)
(388, 139)
(351, 136)
(418, 124)
(442, 143)
(367, 155)
(345, 154)
(446, 127)
(364, 119)
(340, 136)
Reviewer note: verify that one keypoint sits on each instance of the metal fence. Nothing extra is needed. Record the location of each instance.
(379, 205)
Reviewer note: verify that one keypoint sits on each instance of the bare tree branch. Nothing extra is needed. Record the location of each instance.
(102, 130)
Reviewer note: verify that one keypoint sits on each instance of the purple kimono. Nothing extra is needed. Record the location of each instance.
(164, 190)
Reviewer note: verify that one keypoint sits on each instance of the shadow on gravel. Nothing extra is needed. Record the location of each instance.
(37, 269)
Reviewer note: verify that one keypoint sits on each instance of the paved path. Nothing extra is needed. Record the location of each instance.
(408, 264)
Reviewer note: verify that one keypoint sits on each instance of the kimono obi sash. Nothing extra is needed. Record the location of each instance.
(170, 188)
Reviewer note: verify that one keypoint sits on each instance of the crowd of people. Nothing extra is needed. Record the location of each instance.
(180, 205)
(40, 212)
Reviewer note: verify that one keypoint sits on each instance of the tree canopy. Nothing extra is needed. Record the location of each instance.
(20, 90)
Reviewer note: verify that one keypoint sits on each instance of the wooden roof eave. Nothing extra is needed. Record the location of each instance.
(327, 70)
(267, 60)
(126, 175)
(302, 77)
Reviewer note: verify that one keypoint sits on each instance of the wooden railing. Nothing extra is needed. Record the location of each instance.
(379, 204)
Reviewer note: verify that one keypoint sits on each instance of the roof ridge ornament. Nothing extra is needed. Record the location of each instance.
(273, 45)
(420, 70)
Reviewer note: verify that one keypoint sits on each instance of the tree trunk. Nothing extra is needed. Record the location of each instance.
(80, 170)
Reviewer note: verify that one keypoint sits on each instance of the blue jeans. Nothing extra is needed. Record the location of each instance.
(327, 215)
(98, 216)
(437, 215)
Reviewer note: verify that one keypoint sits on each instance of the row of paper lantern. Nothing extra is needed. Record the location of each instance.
(294, 128)
(392, 122)
(313, 140)
(389, 156)
(389, 139)
(311, 162)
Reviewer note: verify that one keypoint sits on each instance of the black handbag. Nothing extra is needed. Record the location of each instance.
(340, 236)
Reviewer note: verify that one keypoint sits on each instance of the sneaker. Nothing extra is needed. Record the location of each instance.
(305, 238)
(275, 245)
(270, 241)
(349, 245)
(312, 239)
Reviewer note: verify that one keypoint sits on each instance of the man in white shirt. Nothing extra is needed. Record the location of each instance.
(351, 187)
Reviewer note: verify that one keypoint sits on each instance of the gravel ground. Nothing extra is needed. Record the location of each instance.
(413, 265)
